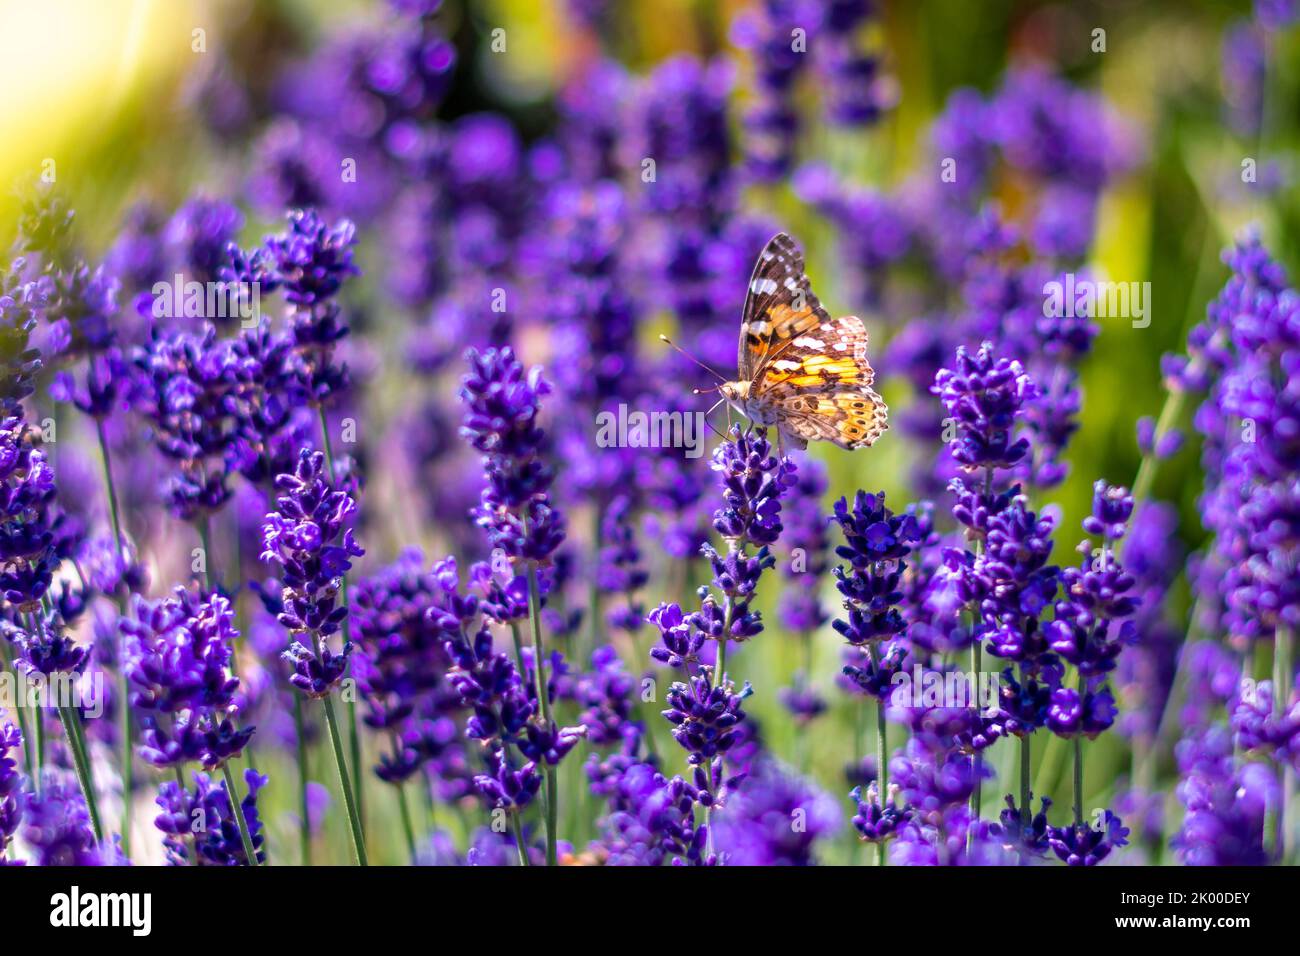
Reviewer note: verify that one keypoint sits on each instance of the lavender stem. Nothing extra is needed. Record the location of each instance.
(518, 829)
(340, 763)
(304, 822)
(82, 767)
(126, 730)
(543, 699)
(1026, 753)
(1283, 676)
(354, 736)
(237, 809)
(882, 769)
(191, 850)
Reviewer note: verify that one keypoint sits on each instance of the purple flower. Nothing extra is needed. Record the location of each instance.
(178, 663)
(502, 404)
(184, 396)
(775, 818)
(1030, 837)
(509, 789)
(310, 536)
(82, 311)
(652, 819)
(402, 663)
(875, 822)
(22, 303)
(202, 821)
(1070, 714)
(11, 788)
(753, 483)
(56, 825)
(704, 718)
(984, 396)
(199, 235)
(607, 694)
(1225, 804)
(875, 542)
(312, 259)
(1085, 845)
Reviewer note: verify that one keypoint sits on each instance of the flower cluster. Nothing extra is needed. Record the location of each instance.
(179, 673)
(11, 794)
(309, 536)
(502, 403)
(200, 826)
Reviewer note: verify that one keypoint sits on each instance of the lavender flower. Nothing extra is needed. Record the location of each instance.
(11, 793)
(57, 826)
(502, 404)
(178, 667)
(310, 537)
(201, 822)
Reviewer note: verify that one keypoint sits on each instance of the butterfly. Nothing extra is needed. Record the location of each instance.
(800, 370)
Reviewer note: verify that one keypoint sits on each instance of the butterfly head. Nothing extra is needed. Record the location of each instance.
(734, 391)
(737, 395)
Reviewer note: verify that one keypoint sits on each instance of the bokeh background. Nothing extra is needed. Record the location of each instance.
(155, 101)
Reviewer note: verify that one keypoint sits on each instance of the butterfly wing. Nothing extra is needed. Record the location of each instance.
(779, 305)
(809, 370)
(819, 386)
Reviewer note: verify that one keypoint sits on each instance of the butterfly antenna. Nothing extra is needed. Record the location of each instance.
(710, 412)
(674, 345)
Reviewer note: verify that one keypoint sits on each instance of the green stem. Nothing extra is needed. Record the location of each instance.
(976, 648)
(1078, 766)
(882, 768)
(719, 675)
(1283, 677)
(82, 766)
(205, 541)
(1026, 750)
(191, 850)
(407, 828)
(110, 487)
(354, 733)
(22, 714)
(543, 699)
(977, 759)
(125, 758)
(859, 747)
(237, 808)
(518, 829)
(341, 765)
(593, 587)
(517, 639)
(304, 823)
(1150, 465)
(38, 725)
(643, 706)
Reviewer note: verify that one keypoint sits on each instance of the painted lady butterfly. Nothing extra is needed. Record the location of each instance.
(800, 370)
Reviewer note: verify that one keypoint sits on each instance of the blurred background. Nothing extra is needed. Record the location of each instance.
(153, 100)
(125, 105)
